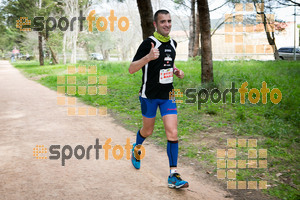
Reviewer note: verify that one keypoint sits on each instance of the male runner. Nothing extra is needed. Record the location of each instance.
(155, 57)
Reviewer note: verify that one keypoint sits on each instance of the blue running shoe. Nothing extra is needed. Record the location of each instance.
(135, 162)
(175, 181)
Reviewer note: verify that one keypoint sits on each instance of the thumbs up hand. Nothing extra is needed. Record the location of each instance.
(154, 53)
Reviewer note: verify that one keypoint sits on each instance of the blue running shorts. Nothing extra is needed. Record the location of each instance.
(149, 107)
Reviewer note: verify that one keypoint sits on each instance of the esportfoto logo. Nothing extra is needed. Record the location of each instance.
(215, 95)
(93, 84)
(65, 152)
(231, 161)
(63, 23)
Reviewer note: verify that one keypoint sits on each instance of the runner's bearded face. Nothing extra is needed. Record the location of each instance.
(163, 24)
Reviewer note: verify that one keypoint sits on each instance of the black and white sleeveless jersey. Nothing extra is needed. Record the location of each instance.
(157, 74)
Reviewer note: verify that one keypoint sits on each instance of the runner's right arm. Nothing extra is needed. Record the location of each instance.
(136, 65)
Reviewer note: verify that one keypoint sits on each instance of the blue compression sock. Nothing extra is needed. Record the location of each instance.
(172, 151)
(139, 138)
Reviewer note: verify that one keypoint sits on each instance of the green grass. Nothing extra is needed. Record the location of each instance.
(203, 131)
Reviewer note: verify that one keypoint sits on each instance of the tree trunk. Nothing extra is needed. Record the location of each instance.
(192, 30)
(40, 39)
(271, 39)
(64, 47)
(146, 15)
(74, 44)
(197, 34)
(53, 55)
(41, 53)
(74, 34)
(105, 54)
(206, 52)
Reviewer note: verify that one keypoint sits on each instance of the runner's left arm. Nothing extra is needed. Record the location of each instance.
(179, 73)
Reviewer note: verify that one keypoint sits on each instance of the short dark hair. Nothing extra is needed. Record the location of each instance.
(160, 12)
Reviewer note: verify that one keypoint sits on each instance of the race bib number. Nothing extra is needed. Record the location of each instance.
(166, 76)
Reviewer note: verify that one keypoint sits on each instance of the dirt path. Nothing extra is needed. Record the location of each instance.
(29, 116)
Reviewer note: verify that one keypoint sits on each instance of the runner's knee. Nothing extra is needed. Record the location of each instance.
(145, 132)
(172, 135)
